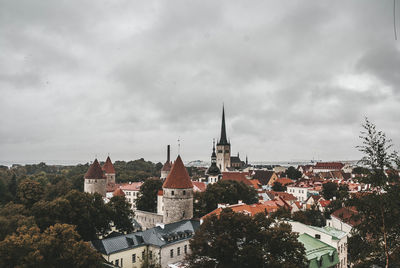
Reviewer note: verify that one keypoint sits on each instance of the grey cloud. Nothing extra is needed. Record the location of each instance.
(129, 77)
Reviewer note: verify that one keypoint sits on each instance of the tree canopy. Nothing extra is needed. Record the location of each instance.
(226, 192)
(238, 240)
(58, 246)
(147, 199)
(375, 240)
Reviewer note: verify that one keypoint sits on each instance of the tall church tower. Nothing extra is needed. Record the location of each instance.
(223, 147)
(177, 194)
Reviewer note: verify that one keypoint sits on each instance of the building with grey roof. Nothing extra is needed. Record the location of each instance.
(164, 244)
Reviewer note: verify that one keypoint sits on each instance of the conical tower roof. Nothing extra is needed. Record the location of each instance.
(94, 172)
(178, 177)
(108, 166)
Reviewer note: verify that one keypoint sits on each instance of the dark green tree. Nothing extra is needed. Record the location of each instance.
(375, 240)
(57, 246)
(278, 187)
(329, 190)
(29, 192)
(226, 192)
(147, 200)
(238, 240)
(121, 213)
(292, 173)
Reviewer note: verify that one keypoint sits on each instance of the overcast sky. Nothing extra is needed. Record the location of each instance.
(80, 79)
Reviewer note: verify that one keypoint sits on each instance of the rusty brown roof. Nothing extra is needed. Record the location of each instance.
(178, 177)
(94, 172)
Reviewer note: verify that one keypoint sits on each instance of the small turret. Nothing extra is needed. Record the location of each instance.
(167, 165)
(109, 171)
(95, 181)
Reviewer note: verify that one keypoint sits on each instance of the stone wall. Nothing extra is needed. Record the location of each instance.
(147, 219)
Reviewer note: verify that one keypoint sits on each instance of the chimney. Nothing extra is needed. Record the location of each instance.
(168, 154)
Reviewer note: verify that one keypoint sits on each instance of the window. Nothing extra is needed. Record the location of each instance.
(116, 262)
(133, 258)
(178, 251)
(184, 192)
(185, 249)
(122, 262)
(143, 255)
(172, 192)
(171, 253)
(151, 254)
(318, 236)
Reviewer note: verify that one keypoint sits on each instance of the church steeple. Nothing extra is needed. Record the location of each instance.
(223, 140)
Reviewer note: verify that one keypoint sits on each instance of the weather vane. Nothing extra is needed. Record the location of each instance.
(179, 145)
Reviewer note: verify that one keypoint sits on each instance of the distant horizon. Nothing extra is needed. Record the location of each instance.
(65, 162)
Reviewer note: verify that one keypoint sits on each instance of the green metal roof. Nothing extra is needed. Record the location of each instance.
(335, 233)
(319, 254)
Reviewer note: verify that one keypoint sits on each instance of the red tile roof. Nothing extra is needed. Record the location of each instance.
(324, 203)
(199, 186)
(345, 214)
(178, 177)
(160, 192)
(255, 183)
(247, 209)
(108, 167)
(167, 166)
(94, 172)
(329, 165)
(133, 186)
(236, 176)
(284, 181)
(118, 192)
(285, 196)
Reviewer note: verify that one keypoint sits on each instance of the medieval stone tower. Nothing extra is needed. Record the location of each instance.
(95, 181)
(109, 171)
(223, 147)
(177, 194)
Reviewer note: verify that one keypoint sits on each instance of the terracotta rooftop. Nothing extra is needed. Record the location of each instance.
(345, 214)
(199, 186)
(167, 166)
(108, 166)
(236, 176)
(250, 210)
(178, 177)
(118, 192)
(94, 172)
(284, 181)
(133, 186)
(329, 165)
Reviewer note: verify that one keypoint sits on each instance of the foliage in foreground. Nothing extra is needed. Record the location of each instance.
(58, 246)
(238, 240)
(376, 239)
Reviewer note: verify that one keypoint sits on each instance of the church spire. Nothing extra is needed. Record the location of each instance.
(223, 140)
